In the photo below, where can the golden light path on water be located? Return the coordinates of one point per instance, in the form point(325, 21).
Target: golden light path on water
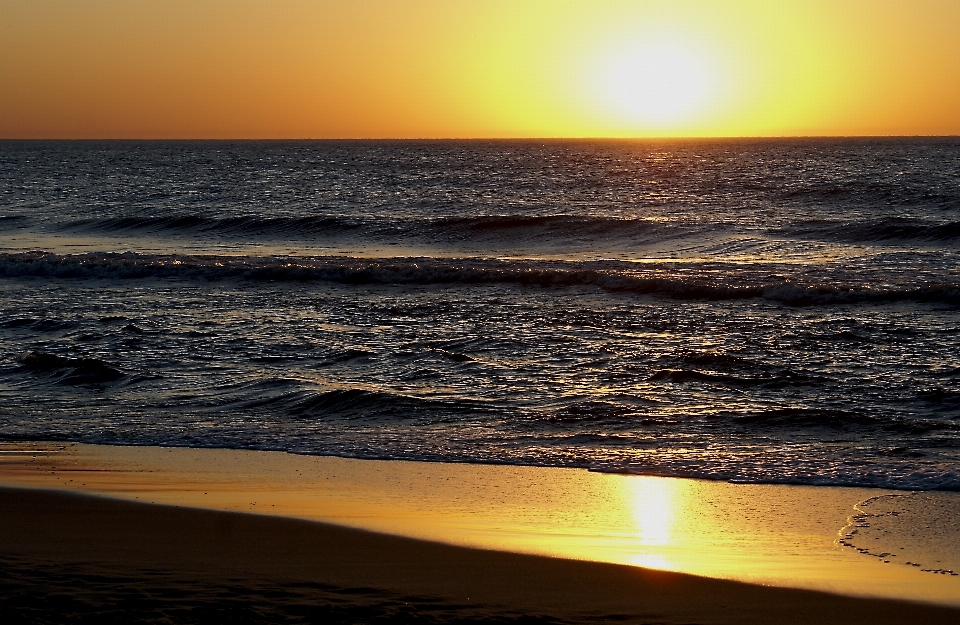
point(769, 534)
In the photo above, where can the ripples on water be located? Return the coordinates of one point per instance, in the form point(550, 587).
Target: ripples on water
point(761, 311)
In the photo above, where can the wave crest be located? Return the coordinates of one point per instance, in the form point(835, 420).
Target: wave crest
point(610, 276)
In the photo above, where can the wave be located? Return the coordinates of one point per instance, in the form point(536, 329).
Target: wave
point(591, 411)
point(867, 231)
point(513, 227)
point(610, 276)
point(752, 422)
point(71, 370)
point(859, 193)
point(809, 418)
point(301, 401)
point(499, 226)
point(39, 324)
point(562, 224)
point(243, 224)
point(780, 380)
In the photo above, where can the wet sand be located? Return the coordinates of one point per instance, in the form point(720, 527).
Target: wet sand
point(78, 557)
point(99, 556)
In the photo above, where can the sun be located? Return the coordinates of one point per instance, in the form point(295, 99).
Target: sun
point(655, 83)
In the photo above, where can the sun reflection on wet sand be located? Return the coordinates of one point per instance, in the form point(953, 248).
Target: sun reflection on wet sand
point(770, 534)
point(653, 504)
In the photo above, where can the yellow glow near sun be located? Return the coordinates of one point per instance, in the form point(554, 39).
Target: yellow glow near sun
point(655, 83)
point(478, 68)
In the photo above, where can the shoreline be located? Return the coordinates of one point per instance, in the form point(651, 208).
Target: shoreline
point(772, 535)
point(203, 561)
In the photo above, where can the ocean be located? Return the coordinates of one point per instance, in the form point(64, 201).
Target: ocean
point(776, 310)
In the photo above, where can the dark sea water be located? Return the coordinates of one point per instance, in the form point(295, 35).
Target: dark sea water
point(769, 310)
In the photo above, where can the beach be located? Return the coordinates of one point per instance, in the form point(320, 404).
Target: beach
point(432, 312)
point(98, 548)
point(489, 381)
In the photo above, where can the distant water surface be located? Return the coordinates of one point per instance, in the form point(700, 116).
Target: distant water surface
point(768, 310)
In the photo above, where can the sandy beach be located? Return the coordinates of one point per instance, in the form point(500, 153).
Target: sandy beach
point(101, 553)
point(479, 311)
point(68, 556)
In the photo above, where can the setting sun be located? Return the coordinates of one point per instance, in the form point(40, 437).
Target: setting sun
point(540, 311)
point(655, 83)
point(426, 68)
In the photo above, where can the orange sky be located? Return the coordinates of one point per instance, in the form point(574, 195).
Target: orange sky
point(477, 68)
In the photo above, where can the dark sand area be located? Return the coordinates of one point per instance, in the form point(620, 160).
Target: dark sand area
point(75, 558)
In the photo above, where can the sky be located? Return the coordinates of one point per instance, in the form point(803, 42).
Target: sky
point(478, 68)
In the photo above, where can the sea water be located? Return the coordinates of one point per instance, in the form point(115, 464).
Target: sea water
point(782, 311)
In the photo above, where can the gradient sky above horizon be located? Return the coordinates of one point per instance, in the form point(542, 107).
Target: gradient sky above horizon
point(478, 68)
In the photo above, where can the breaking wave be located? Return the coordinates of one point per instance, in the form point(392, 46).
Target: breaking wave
point(874, 230)
point(507, 227)
point(610, 276)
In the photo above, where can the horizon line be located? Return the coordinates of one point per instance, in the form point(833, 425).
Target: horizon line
point(504, 138)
